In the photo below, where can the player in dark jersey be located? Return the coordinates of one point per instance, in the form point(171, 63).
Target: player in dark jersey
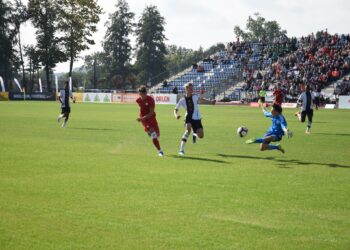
point(307, 100)
point(317, 95)
point(193, 120)
point(63, 98)
point(148, 117)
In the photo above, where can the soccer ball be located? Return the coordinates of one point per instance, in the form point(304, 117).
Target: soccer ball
point(242, 131)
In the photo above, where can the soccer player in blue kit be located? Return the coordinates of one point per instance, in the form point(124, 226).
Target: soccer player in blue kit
point(275, 133)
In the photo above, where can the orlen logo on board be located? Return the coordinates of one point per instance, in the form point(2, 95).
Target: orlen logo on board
point(162, 99)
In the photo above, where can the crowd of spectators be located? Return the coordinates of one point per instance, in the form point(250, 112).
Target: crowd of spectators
point(343, 88)
point(313, 60)
point(316, 60)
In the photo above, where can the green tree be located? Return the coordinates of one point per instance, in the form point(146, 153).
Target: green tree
point(44, 16)
point(151, 50)
point(259, 29)
point(33, 58)
point(180, 58)
point(116, 41)
point(20, 16)
point(96, 69)
point(8, 38)
point(77, 22)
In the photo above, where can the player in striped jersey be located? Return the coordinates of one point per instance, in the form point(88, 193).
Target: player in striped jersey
point(193, 119)
point(63, 98)
point(307, 100)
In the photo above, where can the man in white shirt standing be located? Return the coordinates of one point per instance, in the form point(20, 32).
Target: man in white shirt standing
point(193, 116)
point(307, 99)
point(63, 98)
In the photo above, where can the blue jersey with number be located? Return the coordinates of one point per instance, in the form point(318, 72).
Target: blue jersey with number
point(278, 124)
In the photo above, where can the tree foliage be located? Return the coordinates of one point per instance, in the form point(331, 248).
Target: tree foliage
point(180, 58)
point(44, 16)
point(20, 16)
point(151, 49)
point(258, 29)
point(78, 19)
point(8, 38)
point(116, 43)
point(96, 68)
point(33, 57)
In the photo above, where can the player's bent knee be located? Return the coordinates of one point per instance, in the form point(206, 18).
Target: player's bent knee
point(154, 135)
point(267, 140)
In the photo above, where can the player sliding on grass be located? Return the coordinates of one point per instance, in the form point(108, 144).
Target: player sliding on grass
point(193, 116)
point(65, 107)
point(148, 117)
point(275, 133)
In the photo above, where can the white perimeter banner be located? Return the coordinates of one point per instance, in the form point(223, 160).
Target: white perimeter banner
point(344, 102)
point(131, 98)
point(289, 105)
point(97, 97)
point(164, 98)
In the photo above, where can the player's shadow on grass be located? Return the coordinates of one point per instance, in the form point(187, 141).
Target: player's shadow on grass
point(338, 134)
point(283, 162)
point(197, 159)
point(94, 129)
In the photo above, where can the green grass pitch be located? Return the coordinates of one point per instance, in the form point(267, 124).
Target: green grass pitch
point(99, 183)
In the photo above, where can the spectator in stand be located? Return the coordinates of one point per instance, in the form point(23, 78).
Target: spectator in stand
point(278, 95)
point(345, 87)
point(335, 74)
point(201, 89)
point(175, 90)
point(200, 69)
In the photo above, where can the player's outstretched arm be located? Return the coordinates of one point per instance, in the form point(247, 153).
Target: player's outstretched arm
point(181, 103)
point(286, 130)
point(176, 114)
point(300, 99)
point(264, 110)
point(59, 99)
point(206, 101)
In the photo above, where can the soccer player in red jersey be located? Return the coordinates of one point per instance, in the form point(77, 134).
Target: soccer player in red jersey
point(278, 94)
point(148, 117)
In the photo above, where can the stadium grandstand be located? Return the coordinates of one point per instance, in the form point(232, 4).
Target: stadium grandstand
point(245, 68)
